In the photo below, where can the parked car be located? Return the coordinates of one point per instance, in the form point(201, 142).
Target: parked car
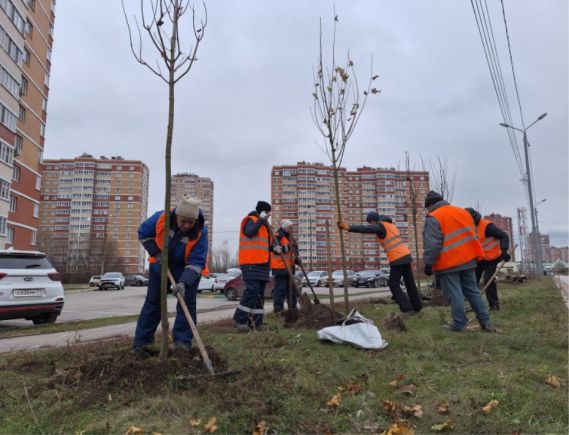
point(136, 280)
point(206, 283)
point(317, 278)
point(220, 280)
point(235, 288)
point(112, 280)
point(94, 281)
point(338, 278)
point(370, 278)
point(384, 273)
point(30, 288)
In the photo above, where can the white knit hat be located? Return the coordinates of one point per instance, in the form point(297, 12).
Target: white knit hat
point(188, 207)
point(286, 223)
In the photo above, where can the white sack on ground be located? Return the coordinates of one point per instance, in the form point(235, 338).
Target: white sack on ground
point(355, 330)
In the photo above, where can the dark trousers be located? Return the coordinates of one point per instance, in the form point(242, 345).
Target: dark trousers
point(149, 317)
point(406, 303)
point(488, 268)
point(281, 293)
point(250, 308)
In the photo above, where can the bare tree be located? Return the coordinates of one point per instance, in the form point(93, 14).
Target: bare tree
point(414, 211)
point(338, 104)
point(440, 178)
point(221, 259)
point(162, 25)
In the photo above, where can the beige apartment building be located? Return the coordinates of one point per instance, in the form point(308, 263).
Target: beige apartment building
point(198, 187)
point(26, 39)
point(304, 193)
point(90, 214)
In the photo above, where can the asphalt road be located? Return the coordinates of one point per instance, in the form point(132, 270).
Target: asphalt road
point(90, 304)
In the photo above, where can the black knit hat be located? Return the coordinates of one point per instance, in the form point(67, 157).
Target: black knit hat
point(475, 215)
point(372, 216)
point(432, 198)
point(385, 218)
point(263, 206)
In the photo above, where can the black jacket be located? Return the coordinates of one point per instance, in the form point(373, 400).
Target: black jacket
point(379, 230)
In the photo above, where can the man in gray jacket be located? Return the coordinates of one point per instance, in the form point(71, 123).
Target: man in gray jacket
point(451, 250)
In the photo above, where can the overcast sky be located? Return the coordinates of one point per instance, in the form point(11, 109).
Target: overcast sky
point(245, 105)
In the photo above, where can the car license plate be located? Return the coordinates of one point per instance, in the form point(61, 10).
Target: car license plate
point(27, 292)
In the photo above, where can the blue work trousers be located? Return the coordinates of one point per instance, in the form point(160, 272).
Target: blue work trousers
point(250, 308)
point(459, 285)
point(149, 317)
point(281, 293)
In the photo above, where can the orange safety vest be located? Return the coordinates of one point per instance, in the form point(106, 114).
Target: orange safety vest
point(392, 243)
point(460, 242)
point(205, 271)
point(159, 238)
point(254, 250)
point(490, 245)
point(277, 260)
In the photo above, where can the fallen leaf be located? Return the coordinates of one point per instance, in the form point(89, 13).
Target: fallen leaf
point(490, 406)
point(398, 428)
point(516, 432)
point(350, 388)
point(553, 381)
point(390, 407)
point(442, 427)
point(195, 421)
point(394, 382)
point(334, 402)
point(133, 430)
point(443, 407)
point(210, 426)
point(156, 433)
point(261, 428)
point(415, 410)
point(408, 389)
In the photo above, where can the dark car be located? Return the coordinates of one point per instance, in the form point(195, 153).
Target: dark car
point(234, 288)
point(135, 280)
point(370, 278)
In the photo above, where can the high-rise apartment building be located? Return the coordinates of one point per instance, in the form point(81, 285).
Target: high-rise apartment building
point(505, 224)
point(559, 254)
point(91, 210)
point(304, 193)
point(198, 187)
point(26, 38)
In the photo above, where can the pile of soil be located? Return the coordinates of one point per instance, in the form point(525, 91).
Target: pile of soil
point(437, 299)
point(394, 322)
point(319, 316)
point(95, 373)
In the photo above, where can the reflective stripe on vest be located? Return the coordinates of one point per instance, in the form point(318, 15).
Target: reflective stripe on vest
point(490, 245)
point(460, 242)
point(159, 239)
point(253, 250)
point(277, 260)
point(392, 243)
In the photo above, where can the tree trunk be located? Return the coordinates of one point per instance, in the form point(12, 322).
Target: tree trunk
point(342, 248)
point(166, 234)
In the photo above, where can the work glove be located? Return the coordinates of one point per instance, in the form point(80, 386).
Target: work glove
point(506, 256)
point(179, 288)
point(343, 226)
point(277, 250)
point(428, 269)
point(298, 260)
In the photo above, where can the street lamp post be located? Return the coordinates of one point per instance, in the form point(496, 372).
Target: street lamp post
point(535, 238)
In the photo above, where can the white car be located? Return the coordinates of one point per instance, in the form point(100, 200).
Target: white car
point(94, 281)
point(112, 279)
point(220, 280)
point(30, 288)
point(206, 283)
point(317, 278)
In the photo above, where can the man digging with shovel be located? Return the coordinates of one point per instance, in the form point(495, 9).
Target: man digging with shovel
point(187, 249)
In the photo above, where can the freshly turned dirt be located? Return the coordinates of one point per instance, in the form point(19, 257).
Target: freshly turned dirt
point(394, 322)
point(437, 300)
point(319, 316)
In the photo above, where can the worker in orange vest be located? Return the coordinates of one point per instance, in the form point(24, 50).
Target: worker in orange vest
point(187, 253)
point(282, 264)
point(255, 245)
point(452, 250)
point(398, 256)
point(495, 244)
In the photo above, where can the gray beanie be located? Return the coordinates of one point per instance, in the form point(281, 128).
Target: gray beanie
point(432, 198)
point(188, 207)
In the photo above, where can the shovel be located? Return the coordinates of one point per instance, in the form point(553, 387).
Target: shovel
point(201, 347)
point(316, 300)
point(487, 284)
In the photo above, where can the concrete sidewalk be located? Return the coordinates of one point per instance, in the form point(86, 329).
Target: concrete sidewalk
point(562, 282)
point(35, 342)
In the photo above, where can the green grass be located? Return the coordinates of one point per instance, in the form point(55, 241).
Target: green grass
point(288, 376)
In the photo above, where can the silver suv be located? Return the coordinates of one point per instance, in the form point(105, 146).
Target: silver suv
point(112, 279)
point(30, 288)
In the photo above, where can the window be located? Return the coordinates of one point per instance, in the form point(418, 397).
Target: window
point(26, 56)
point(49, 55)
point(31, 4)
point(6, 153)
point(18, 145)
point(42, 130)
point(34, 237)
point(4, 190)
point(8, 118)
point(24, 87)
point(36, 210)
point(9, 82)
point(13, 203)
point(28, 29)
point(44, 105)
point(46, 80)
point(9, 235)
point(3, 226)
point(16, 173)
point(38, 183)
point(22, 114)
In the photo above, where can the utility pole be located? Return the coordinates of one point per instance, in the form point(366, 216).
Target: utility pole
point(528, 179)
